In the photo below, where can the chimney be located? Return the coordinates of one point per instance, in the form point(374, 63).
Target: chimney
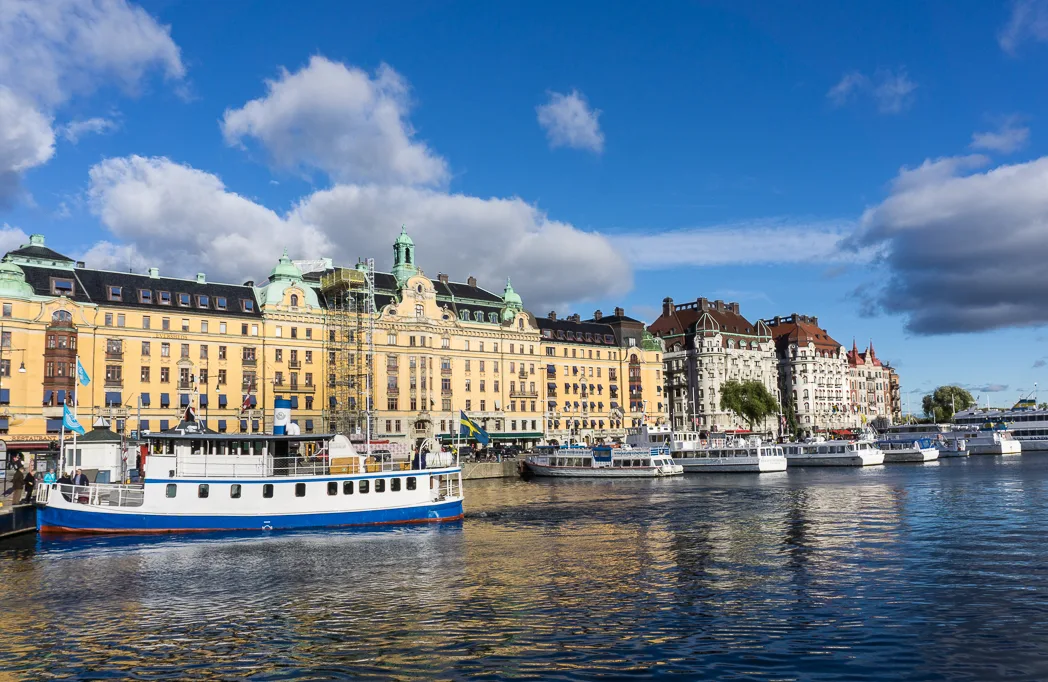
point(619, 312)
point(442, 277)
point(553, 314)
point(667, 306)
point(734, 307)
point(718, 304)
point(472, 281)
point(201, 279)
point(154, 272)
point(815, 320)
point(597, 315)
point(704, 304)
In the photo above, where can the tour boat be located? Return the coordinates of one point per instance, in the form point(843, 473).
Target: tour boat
point(993, 440)
point(1028, 424)
point(907, 450)
point(944, 437)
point(732, 456)
point(602, 461)
point(196, 480)
point(823, 453)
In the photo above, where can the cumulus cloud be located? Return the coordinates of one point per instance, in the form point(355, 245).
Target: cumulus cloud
point(965, 250)
point(12, 237)
point(26, 141)
point(185, 219)
point(570, 122)
point(891, 91)
point(1028, 21)
point(74, 130)
point(1008, 138)
point(341, 120)
point(751, 243)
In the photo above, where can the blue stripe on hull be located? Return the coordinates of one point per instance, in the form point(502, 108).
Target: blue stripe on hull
point(87, 521)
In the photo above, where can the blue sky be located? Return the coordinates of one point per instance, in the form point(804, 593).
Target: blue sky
point(877, 165)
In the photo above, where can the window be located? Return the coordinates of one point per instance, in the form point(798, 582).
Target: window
point(278, 355)
point(185, 324)
point(380, 485)
point(309, 356)
point(294, 332)
point(145, 375)
point(332, 487)
point(267, 490)
point(364, 486)
point(109, 319)
point(247, 305)
point(164, 297)
point(172, 489)
point(165, 375)
point(145, 296)
point(347, 487)
point(7, 310)
point(220, 302)
point(203, 490)
point(394, 485)
point(411, 482)
point(203, 301)
point(184, 300)
point(115, 293)
point(234, 491)
point(203, 326)
point(61, 286)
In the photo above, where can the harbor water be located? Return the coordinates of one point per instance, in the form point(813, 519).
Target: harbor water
point(934, 571)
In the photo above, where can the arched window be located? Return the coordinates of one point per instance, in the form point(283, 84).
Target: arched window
point(294, 299)
point(493, 318)
point(62, 316)
point(464, 315)
point(478, 316)
point(407, 255)
point(805, 394)
point(520, 324)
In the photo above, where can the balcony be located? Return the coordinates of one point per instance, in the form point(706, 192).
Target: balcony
point(445, 371)
point(114, 382)
point(249, 362)
point(299, 388)
point(393, 368)
point(392, 390)
point(117, 355)
point(445, 391)
point(294, 364)
point(523, 393)
point(185, 385)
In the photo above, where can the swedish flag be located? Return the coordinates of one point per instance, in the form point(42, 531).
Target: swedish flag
point(469, 429)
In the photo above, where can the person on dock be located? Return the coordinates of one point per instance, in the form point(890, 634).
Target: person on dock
point(49, 477)
point(29, 485)
point(17, 483)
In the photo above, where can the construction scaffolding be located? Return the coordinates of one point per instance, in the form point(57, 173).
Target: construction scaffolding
point(350, 348)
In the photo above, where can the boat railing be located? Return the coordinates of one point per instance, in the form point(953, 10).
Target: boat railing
point(288, 467)
point(95, 494)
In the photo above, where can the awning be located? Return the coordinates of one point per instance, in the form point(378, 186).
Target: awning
point(254, 401)
point(112, 398)
point(221, 424)
point(47, 397)
point(203, 400)
point(165, 400)
point(184, 399)
point(277, 396)
point(54, 425)
point(163, 424)
point(243, 426)
point(294, 401)
point(222, 402)
point(5, 396)
point(551, 386)
point(143, 425)
point(254, 425)
point(145, 400)
point(3, 423)
point(523, 435)
point(61, 397)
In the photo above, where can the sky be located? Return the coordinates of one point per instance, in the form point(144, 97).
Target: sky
point(882, 166)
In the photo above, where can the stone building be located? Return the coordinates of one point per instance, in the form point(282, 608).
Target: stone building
point(870, 380)
point(707, 344)
point(813, 374)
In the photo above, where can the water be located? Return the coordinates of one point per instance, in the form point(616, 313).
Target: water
point(911, 572)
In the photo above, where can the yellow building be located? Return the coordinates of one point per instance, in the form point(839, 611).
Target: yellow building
point(155, 345)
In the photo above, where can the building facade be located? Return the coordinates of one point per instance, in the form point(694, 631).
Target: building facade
point(813, 375)
point(707, 344)
point(871, 392)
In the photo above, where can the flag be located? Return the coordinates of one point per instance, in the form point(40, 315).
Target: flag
point(247, 403)
point(469, 429)
point(69, 421)
point(189, 415)
point(81, 373)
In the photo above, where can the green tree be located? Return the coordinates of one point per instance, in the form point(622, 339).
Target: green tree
point(793, 425)
point(944, 401)
point(750, 400)
point(1042, 406)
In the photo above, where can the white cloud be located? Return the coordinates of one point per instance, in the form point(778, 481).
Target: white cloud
point(891, 91)
point(26, 141)
point(11, 238)
point(749, 243)
point(1009, 137)
point(570, 122)
point(341, 120)
point(1028, 21)
point(74, 130)
point(965, 251)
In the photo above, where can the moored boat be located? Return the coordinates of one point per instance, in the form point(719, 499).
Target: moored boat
point(823, 453)
point(198, 481)
point(906, 450)
point(602, 461)
point(737, 455)
point(993, 440)
point(943, 437)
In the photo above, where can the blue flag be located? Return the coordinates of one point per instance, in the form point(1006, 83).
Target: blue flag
point(69, 421)
point(81, 373)
point(469, 429)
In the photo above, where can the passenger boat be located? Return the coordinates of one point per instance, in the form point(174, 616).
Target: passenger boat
point(721, 455)
point(1027, 423)
point(602, 461)
point(992, 440)
point(943, 437)
point(907, 450)
point(835, 453)
point(197, 481)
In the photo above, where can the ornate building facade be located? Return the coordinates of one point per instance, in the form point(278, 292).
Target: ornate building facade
point(874, 392)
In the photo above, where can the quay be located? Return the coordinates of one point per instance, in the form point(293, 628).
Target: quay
point(17, 520)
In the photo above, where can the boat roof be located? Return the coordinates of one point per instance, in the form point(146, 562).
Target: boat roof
point(196, 435)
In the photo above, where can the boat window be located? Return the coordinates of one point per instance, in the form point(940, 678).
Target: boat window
point(234, 491)
point(394, 485)
point(347, 487)
point(411, 482)
point(300, 490)
point(380, 485)
point(203, 490)
point(332, 487)
point(364, 486)
point(267, 490)
point(172, 489)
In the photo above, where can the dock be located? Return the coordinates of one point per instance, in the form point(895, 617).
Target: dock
point(17, 520)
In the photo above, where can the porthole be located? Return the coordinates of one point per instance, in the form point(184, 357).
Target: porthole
point(267, 490)
point(394, 485)
point(380, 485)
point(411, 482)
point(332, 487)
point(203, 490)
point(172, 489)
point(234, 491)
point(300, 490)
point(347, 487)
point(364, 486)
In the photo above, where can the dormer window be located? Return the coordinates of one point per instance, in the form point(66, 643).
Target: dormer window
point(493, 318)
point(145, 296)
point(294, 299)
point(464, 315)
point(560, 335)
point(247, 305)
point(203, 301)
point(589, 337)
point(608, 338)
point(115, 293)
point(478, 316)
point(571, 336)
point(61, 286)
point(184, 300)
point(164, 297)
point(547, 334)
point(220, 302)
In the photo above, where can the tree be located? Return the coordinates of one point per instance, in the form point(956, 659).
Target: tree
point(944, 401)
point(793, 425)
point(749, 400)
point(1042, 406)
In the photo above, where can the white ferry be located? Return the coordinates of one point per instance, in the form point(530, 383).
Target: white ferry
point(992, 440)
point(1028, 425)
point(908, 450)
point(197, 481)
point(836, 453)
point(944, 437)
point(602, 461)
point(751, 455)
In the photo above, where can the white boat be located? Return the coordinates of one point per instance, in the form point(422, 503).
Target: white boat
point(992, 440)
point(733, 456)
point(943, 437)
point(906, 450)
point(601, 461)
point(1028, 425)
point(197, 481)
point(823, 453)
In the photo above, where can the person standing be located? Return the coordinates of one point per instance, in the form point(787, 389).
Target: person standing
point(64, 480)
point(49, 477)
point(17, 483)
point(29, 484)
point(81, 478)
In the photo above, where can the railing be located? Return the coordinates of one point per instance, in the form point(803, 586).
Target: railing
point(523, 393)
point(294, 364)
point(96, 495)
point(114, 355)
point(249, 362)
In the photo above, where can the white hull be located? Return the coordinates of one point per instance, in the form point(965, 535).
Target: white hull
point(1034, 444)
point(711, 465)
point(602, 472)
point(828, 460)
point(943, 454)
point(910, 455)
point(1008, 447)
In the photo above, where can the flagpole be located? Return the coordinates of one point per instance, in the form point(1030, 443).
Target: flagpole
point(76, 385)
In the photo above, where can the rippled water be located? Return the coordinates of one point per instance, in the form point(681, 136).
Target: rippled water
point(921, 572)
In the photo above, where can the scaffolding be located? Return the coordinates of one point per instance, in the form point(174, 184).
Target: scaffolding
point(350, 347)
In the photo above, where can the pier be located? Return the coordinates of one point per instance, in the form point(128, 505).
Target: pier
point(17, 520)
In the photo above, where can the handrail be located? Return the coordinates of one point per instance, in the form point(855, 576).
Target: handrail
point(97, 494)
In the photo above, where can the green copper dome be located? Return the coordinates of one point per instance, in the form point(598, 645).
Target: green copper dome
point(510, 297)
point(285, 269)
point(12, 280)
point(403, 239)
point(404, 257)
